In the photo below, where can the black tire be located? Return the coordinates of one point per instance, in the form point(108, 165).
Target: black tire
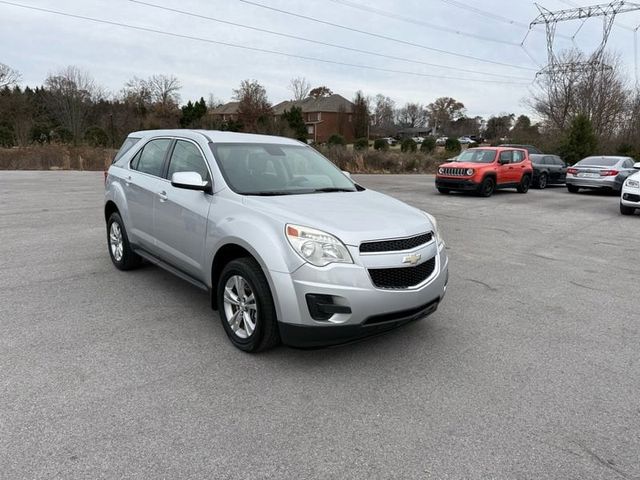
point(444, 191)
point(127, 259)
point(487, 187)
point(573, 188)
point(524, 185)
point(542, 181)
point(624, 210)
point(265, 334)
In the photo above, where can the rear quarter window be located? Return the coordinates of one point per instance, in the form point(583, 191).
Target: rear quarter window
point(126, 146)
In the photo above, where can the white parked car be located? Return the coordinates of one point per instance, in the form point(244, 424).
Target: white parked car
point(630, 196)
point(418, 139)
point(441, 141)
point(465, 140)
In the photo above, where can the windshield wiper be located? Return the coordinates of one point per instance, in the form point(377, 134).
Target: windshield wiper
point(332, 189)
point(276, 193)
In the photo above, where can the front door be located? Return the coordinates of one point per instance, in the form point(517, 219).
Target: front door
point(505, 167)
point(181, 215)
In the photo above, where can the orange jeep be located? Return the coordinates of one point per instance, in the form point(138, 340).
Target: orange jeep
point(483, 170)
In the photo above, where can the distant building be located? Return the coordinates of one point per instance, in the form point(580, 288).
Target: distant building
point(226, 112)
point(414, 132)
point(324, 116)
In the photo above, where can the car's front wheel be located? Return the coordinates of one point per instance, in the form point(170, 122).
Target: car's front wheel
point(120, 251)
point(624, 210)
point(444, 191)
point(246, 306)
point(487, 187)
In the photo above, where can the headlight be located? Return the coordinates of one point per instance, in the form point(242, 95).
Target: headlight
point(441, 170)
point(633, 184)
point(470, 171)
point(317, 247)
point(436, 231)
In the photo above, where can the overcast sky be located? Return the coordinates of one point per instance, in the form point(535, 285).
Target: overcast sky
point(38, 43)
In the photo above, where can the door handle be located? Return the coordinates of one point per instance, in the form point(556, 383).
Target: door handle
point(163, 196)
point(127, 181)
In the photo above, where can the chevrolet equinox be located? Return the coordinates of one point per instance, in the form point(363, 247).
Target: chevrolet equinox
point(289, 247)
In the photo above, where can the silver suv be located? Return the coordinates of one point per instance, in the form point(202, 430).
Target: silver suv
point(289, 246)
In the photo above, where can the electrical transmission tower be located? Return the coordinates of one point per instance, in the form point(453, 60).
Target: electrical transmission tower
point(551, 19)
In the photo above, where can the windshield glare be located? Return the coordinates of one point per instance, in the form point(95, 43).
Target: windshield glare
point(598, 161)
point(270, 169)
point(477, 156)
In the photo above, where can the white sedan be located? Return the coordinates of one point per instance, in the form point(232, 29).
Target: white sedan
point(630, 196)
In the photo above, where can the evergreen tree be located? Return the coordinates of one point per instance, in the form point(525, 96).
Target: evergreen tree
point(295, 120)
point(581, 140)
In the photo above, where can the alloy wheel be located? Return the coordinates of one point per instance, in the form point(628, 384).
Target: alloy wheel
point(116, 243)
point(240, 307)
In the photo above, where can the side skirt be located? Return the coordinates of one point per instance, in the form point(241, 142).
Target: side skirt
point(171, 269)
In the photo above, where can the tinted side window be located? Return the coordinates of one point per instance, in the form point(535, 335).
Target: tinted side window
point(518, 156)
point(506, 156)
point(627, 164)
point(151, 159)
point(558, 161)
point(186, 157)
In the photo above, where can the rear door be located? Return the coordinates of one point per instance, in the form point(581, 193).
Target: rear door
point(519, 166)
point(181, 215)
point(562, 169)
point(505, 168)
point(142, 184)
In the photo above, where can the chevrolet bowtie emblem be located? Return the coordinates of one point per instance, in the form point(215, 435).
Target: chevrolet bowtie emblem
point(412, 259)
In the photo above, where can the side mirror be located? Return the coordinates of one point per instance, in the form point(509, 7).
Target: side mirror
point(190, 181)
point(347, 174)
point(637, 166)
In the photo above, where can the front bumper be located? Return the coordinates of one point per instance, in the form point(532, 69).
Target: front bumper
point(456, 184)
point(630, 197)
point(372, 310)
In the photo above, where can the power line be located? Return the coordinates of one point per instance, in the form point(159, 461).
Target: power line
point(388, 14)
point(326, 44)
point(491, 15)
point(384, 37)
point(255, 49)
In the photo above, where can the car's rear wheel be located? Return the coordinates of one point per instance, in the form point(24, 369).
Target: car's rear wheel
point(487, 187)
point(246, 306)
point(573, 188)
point(120, 251)
point(542, 181)
point(444, 191)
point(525, 183)
point(624, 210)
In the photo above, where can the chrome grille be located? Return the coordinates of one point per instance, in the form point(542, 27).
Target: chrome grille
point(454, 172)
point(396, 245)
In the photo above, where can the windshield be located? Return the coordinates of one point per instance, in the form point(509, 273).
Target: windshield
point(599, 161)
point(477, 156)
point(269, 169)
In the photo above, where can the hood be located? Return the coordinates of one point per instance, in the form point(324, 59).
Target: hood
point(635, 176)
point(463, 165)
point(353, 217)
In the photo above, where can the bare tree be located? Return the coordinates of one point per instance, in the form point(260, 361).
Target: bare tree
point(600, 94)
point(443, 111)
point(164, 90)
point(412, 115)
point(383, 112)
point(70, 93)
point(254, 108)
point(300, 88)
point(8, 76)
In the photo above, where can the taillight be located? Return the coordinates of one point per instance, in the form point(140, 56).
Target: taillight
point(572, 171)
point(609, 173)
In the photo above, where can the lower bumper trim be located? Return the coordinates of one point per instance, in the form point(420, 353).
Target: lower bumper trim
point(305, 336)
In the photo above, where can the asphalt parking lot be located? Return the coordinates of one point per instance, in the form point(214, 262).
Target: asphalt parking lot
point(529, 370)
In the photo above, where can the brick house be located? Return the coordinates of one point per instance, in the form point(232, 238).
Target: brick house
point(226, 112)
point(323, 116)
